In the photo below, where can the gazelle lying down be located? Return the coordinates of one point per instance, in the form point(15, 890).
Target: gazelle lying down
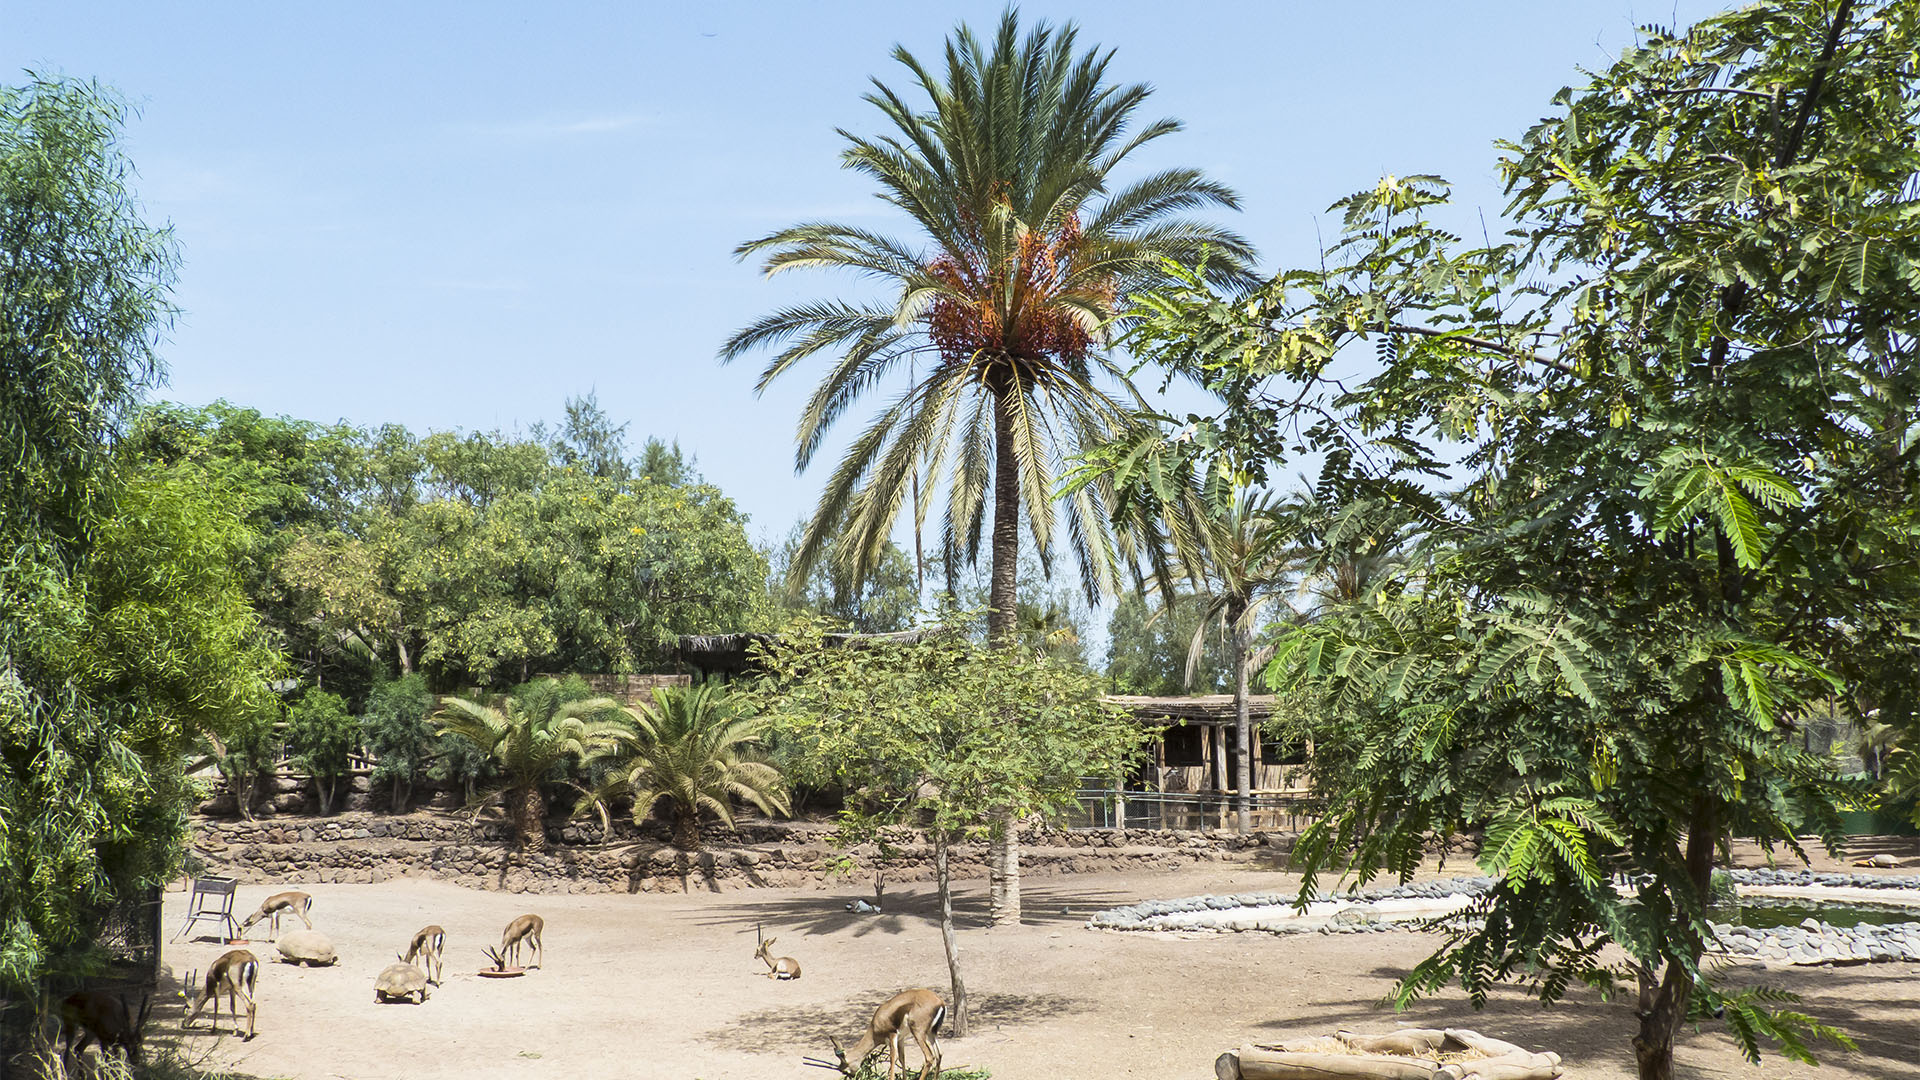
point(778, 967)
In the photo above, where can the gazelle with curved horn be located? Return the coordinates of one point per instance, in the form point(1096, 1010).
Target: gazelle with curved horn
point(428, 944)
point(287, 903)
point(918, 1013)
point(778, 967)
point(233, 974)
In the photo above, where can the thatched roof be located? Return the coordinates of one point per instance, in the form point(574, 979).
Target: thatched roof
point(732, 653)
point(1203, 709)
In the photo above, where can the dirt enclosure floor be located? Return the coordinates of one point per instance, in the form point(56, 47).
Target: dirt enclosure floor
point(666, 986)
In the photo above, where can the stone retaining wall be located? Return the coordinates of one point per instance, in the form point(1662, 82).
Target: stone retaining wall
point(371, 848)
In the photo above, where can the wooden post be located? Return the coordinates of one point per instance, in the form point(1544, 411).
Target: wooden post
point(1119, 804)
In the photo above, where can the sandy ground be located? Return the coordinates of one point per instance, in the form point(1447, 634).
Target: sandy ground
point(666, 986)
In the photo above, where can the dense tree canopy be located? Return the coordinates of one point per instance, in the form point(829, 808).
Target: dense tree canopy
point(471, 557)
point(124, 631)
point(1660, 452)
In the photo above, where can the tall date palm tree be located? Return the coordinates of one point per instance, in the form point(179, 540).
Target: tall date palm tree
point(998, 310)
point(999, 305)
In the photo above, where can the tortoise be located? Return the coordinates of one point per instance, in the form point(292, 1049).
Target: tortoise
point(400, 982)
point(309, 947)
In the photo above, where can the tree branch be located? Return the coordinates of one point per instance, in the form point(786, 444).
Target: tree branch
point(1483, 343)
point(1715, 90)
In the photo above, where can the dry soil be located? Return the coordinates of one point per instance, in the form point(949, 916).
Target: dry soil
point(666, 986)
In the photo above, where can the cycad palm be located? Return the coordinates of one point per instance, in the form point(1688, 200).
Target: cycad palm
point(1000, 305)
point(692, 749)
point(529, 737)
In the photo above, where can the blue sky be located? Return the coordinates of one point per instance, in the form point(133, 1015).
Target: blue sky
point(455, 215)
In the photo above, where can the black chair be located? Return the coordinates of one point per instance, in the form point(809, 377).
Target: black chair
point(211, 901)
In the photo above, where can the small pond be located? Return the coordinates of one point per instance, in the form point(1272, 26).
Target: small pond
point(1767, 914)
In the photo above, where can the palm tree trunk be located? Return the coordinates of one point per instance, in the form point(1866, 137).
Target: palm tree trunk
point(686, 829)
point(530, 817)
point(1002, 587)
point(1242, 720)
point(945, 880)
point(1003, 861)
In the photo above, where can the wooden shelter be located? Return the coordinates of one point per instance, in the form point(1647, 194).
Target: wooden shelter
point(1198, 751)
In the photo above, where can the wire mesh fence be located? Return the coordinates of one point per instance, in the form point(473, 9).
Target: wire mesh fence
point(128, 938)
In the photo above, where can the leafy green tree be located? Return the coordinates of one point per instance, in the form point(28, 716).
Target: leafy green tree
point(397, 733)
point(1149, 647)
point(664, 463)
point(123, 631)
point(693, 749)
point(321, 736)
point(589, 441)
point(1663, 496)
point(885, 600)
point(530, 735)
point(943, 734)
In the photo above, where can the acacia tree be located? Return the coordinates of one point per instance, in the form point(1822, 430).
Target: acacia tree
point(942, 734)
point(1662, 492)
point(998, 311)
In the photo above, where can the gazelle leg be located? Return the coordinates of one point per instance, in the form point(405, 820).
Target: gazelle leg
point(929, 1052)
point(302, 912)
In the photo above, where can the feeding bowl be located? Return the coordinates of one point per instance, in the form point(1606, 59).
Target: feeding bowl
point(502, 973)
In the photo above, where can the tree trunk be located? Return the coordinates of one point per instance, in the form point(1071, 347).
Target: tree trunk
point(1242, 720)
point(1003, 872)
point(323, 794)
point(1002, 589)
point(1003, 862)
point(530, 817)
point(400, 646)
point(945, 880)
point(243, 794)
point(401, 790)
point(686, 829)
point(1664, 1006)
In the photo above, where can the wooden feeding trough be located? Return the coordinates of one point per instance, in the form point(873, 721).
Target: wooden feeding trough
point(1407, 1054)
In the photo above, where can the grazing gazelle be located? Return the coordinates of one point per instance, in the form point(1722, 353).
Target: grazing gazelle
point(95, 1015)
point(233, 974)
point(527, 928)
point(427, 945)
point(778, 967)
point(291, 903)
point(918, 1013)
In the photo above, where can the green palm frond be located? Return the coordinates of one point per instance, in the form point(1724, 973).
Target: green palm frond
point(689, 747)
point(1027, 247)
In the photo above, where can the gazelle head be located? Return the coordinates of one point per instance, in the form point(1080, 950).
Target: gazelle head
point(765, 950)
point(493, 954)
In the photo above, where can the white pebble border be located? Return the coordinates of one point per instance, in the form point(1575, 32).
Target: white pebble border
point(1395, 908)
